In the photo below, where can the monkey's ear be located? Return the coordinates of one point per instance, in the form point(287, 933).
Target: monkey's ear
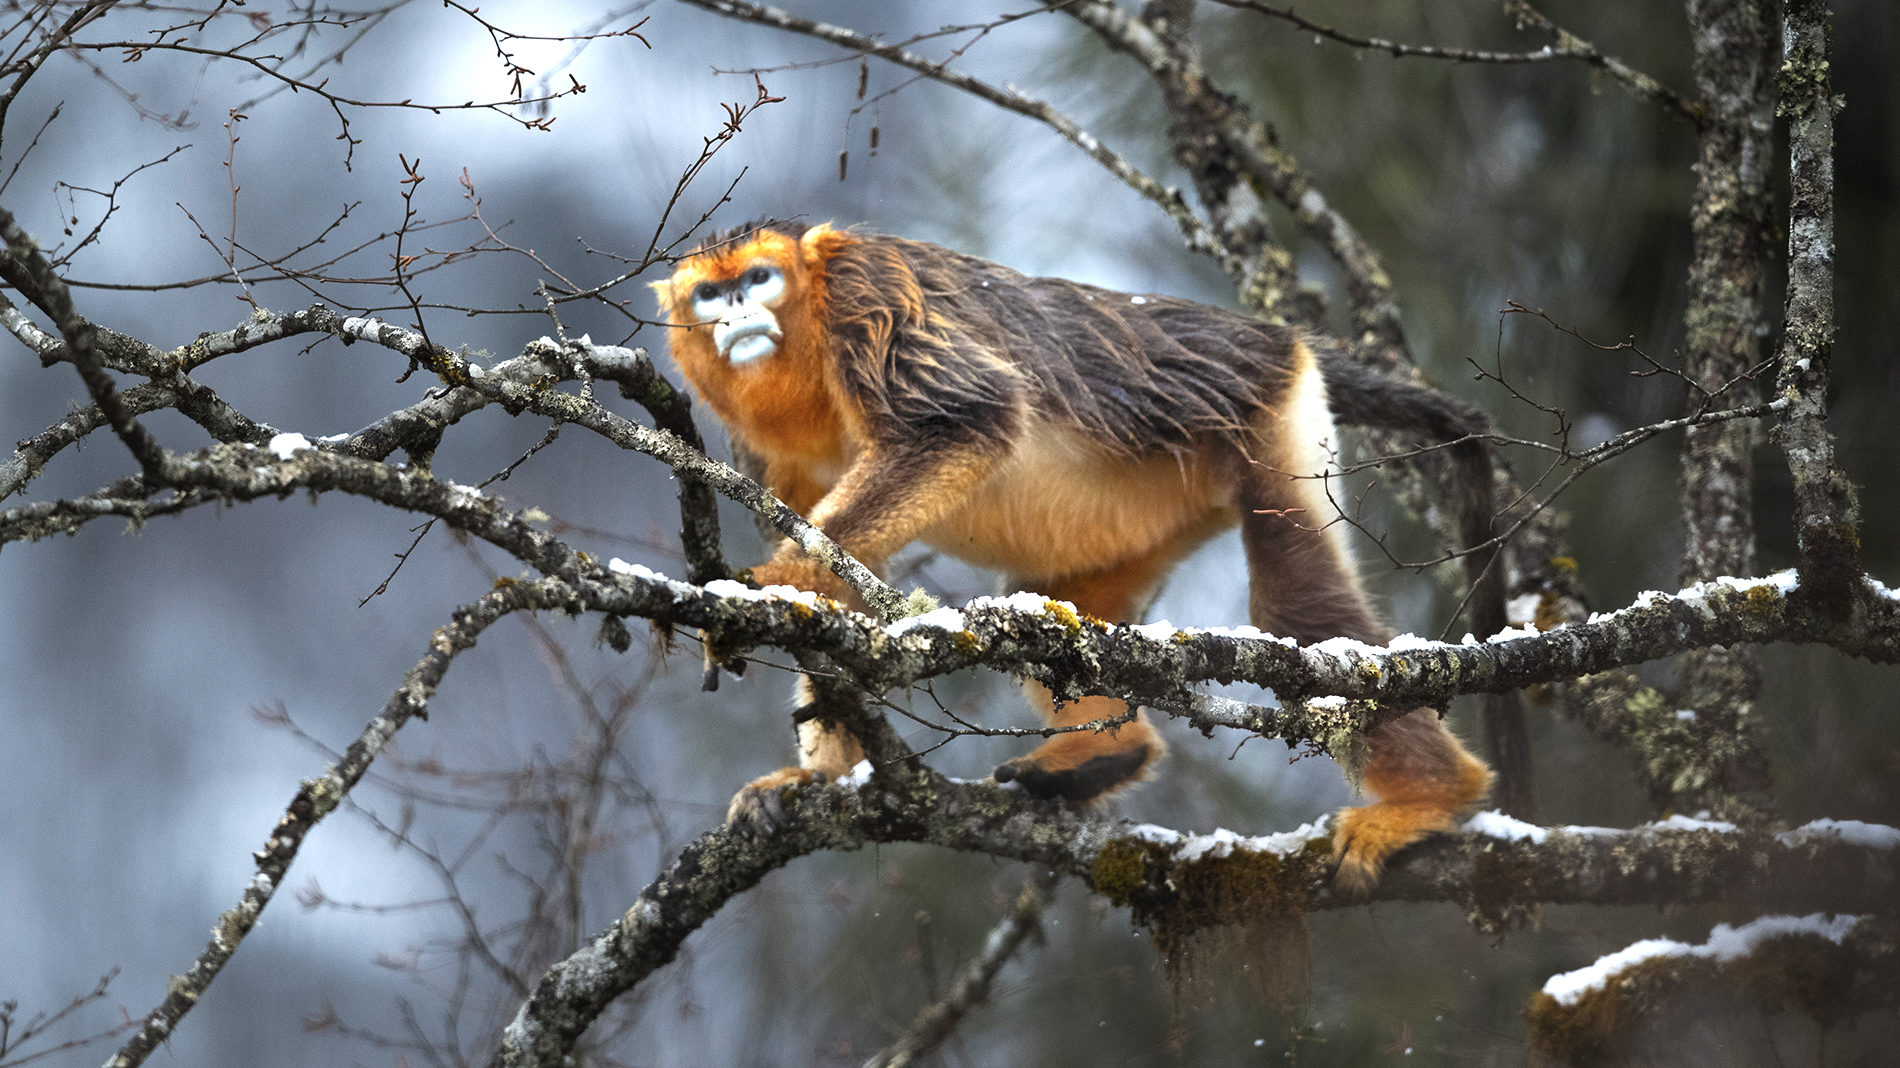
point(820, 243)
point(664, 289)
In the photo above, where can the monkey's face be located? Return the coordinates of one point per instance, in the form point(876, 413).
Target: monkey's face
point(737, 294)
point(740, 310)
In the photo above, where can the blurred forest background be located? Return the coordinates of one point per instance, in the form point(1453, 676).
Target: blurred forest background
point(163, 691)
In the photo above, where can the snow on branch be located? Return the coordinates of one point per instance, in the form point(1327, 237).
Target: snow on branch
point(1828, 966)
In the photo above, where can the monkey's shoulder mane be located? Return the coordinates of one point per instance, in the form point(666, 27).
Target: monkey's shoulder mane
point(925, 332)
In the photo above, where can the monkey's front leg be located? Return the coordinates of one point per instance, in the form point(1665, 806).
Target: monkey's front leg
point(826, 751)
point(885, 499)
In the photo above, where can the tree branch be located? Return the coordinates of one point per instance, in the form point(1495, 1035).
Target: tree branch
point(27, 271)
point(1196, 234)
point(1232, 155)
point(1723, 326)
point(1497, 869)
point(1829, 968)
point(1827, 515)
point(1568, 47)
point(972, 985)
point(318, 797)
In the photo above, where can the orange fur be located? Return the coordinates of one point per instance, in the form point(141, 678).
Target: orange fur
point(1423, 780)
point(825, 751)
point(787, 406)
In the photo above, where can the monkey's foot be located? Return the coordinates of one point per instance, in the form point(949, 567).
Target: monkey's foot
point(758, 809)
point(1365, 837)
point(1079, 777)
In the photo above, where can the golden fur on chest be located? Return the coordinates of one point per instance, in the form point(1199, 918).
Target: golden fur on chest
point(1062, 504)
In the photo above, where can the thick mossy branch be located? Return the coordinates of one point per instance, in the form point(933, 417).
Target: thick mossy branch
point(1023, 636)
point(1084, 658)
point(1193, 882)
point(1808, 965)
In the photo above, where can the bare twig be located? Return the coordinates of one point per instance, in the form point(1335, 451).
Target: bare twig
point(971, 987)
point(1569, 47)
point(1196, 233)
point(318, 797)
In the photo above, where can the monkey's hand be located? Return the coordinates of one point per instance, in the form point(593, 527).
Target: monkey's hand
point(758, 809)
point(791, 567)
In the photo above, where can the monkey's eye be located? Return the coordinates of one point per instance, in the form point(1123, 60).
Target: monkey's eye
point(763, 284)
point(705, 291)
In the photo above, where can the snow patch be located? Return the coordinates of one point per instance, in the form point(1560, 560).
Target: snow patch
point(1495, 824)
point(1021, 601)
point(1725, 943)
point(1339, 647)
point(283, 446)
point(1567, 987)
point(789, 593)
point(1696, 596)
point(1847, 832)
point(735, 588)
point(1590, 832)
point(639, 571)
point(1149, 832)
point(731, 588)
point(1690, 823)
point(1252, 633)
point(1221, 842)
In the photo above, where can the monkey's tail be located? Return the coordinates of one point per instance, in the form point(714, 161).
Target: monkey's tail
point(1363, 397)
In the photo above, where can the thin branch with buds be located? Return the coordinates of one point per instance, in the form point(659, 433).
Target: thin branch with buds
point(1569, 48)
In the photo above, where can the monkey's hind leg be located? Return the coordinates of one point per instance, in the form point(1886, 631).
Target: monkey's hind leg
point(1080, 766)
point(1085, 765)
point(826, 751)
point(1421, 779)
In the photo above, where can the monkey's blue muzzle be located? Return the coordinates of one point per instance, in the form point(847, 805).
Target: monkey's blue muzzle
point(748, 337)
